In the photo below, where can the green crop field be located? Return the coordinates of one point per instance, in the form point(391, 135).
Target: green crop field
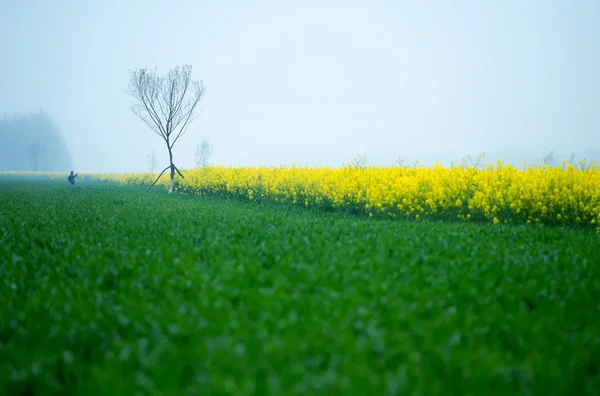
point(105, 289)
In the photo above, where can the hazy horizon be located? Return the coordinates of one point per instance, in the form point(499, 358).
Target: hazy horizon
point(312, 82)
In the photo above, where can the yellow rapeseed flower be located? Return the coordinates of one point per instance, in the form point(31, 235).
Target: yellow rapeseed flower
point(498, 194)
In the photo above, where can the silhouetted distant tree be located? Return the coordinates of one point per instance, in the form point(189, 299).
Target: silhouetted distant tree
point(549, 159)
point(203, 153)
point(167, 104)
point(35, 151)
point(152, 161)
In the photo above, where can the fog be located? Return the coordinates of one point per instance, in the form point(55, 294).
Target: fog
point(312, 82)
point(33, 143)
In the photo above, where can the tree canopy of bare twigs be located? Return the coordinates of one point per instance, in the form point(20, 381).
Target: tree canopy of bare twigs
point(203, 153)
point(167, 105)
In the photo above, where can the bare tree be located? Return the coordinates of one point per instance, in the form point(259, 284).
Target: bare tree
point(152, 161)
point(203, 153)
point(35, 151)
point(549, 159)
point(167, 105)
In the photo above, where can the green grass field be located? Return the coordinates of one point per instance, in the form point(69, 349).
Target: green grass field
point(109, 290)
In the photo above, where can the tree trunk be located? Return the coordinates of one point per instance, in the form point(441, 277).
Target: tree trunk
point(172, 183)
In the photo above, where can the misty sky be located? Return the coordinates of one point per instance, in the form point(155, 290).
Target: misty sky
point(311, 81)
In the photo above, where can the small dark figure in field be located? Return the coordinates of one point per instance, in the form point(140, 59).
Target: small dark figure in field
point(72, 178)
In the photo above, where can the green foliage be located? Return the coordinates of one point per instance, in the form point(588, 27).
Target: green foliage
point(108, 290)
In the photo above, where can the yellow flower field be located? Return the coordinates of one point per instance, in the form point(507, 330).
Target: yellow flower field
point(499, 193)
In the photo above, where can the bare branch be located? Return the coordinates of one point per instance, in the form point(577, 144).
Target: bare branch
point(199, 90)
point(150, 123)
point(145, 87)
point(151, 185)
point(166, 104)
point(177, 169)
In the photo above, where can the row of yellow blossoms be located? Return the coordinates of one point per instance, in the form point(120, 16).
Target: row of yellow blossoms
point(497, 193)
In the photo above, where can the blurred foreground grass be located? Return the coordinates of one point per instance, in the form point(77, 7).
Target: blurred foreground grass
point(108, 290)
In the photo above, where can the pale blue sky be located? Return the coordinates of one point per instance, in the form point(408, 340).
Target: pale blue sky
point(312, 81)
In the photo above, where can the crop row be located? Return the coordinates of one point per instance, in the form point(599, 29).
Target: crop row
point(499, 193)
point(496, 194)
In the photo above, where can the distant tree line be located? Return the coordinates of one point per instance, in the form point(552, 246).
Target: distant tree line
point(32, 143)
